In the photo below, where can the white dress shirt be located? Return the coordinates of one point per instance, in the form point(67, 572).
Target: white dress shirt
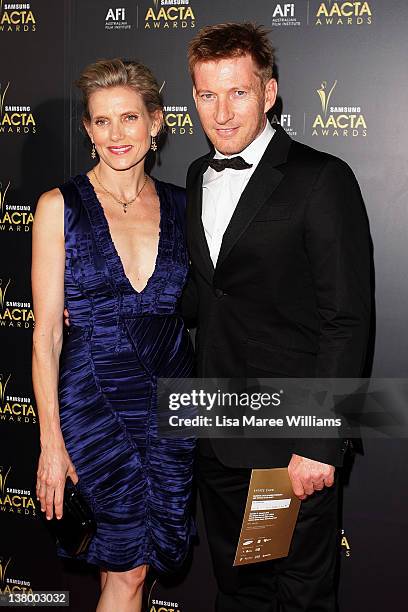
point(222, 190)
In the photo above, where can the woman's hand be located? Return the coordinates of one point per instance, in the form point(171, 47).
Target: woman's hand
point(54, 465)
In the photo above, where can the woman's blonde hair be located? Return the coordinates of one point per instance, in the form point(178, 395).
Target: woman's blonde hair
point(116, 72)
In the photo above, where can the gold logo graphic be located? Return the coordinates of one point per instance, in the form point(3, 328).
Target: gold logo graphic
point(13, 584)
point(15, 500)
point(325, 96)
point(14, 313)
point(15, 119)
point(3, 194)
point(3, 386)
point(2, 97)
point(3, 290)
point(170, 14)
point(3, 479)
point(15, 408)
point(345, 121)
point(343, 13)
point(4, 563)
point(14, 217)
point(16, 18)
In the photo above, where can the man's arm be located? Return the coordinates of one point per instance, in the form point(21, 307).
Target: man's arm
point(338, 246)
point(189, 298)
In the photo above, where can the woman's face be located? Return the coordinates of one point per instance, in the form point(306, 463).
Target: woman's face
point(121, 126)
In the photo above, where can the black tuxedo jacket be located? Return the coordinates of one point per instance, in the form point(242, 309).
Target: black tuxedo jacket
point(290, 294)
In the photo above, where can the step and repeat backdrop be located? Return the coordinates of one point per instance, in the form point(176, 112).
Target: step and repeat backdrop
point(343, 89)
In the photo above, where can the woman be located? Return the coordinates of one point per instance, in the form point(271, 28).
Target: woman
point(109, 246)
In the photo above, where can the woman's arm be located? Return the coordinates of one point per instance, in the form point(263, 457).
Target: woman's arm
point(47, 277)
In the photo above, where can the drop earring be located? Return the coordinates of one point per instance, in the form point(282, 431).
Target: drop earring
point(153, 146)
point(93, 151)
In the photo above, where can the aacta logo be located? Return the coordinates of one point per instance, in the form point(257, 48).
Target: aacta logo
point(345, 544)
point(343, 13)
point(9, 584)
point(16, 501)
point(178, 120)
point(14, 408)
point(13, 217)
point(14, 313)
point(168, 14)
point(16, 17)
point(14, 119)
point(337, 120)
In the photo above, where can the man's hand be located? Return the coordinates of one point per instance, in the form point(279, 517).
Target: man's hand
point(308, 476)
point(66, 317)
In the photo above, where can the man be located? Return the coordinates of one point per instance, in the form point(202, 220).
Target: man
point(279, 248)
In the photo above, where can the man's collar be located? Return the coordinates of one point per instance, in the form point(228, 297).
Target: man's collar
point(275, 154)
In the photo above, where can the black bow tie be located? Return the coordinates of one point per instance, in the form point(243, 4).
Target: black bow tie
point(236, 163)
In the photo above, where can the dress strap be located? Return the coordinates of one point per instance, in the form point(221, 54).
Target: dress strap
point(100, 229)
point(75, 216)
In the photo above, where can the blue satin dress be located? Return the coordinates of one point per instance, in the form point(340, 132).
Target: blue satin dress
point(120, 341)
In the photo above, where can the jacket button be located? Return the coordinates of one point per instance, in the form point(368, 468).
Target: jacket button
point(218, 292)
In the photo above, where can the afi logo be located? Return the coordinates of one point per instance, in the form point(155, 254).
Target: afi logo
point(285, 120)
point(284, 10)
point(115, 14)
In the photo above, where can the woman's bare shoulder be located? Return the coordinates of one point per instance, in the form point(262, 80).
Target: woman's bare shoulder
point(53, 198)
point(50, 207)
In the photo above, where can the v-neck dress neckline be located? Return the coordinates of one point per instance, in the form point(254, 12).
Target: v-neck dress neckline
point(113, 258)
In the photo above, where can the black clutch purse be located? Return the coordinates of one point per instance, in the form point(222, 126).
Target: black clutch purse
point(77, 526)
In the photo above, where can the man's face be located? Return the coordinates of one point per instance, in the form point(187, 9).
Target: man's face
point(231, 102)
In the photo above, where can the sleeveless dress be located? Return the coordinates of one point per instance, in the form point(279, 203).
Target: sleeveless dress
point(119, 342)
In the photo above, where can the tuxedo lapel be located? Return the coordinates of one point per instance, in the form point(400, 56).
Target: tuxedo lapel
point(197, 240)
point(261, 185)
